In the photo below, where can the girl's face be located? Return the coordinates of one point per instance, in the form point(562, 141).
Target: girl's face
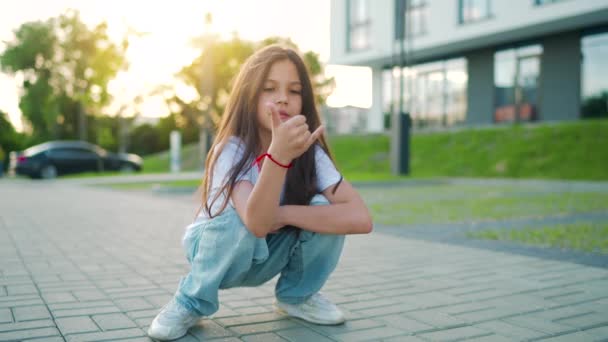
point(283, 88)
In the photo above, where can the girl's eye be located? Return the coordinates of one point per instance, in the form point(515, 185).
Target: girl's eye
point(268, 89)
point(296, 92)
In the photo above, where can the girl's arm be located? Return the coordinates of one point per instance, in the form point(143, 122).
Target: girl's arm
point(346, 213)
point(258, 205)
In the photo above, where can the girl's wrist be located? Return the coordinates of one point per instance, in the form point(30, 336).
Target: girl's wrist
point(279, 156)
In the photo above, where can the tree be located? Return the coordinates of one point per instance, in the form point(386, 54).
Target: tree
point(226, 58)
point(66, 67)
point(595, 106)
point(10, 140)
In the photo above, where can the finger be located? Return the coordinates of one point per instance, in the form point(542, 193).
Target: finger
point(301, 129)
point(296, 120)
point(274, 114)
point(315, 135)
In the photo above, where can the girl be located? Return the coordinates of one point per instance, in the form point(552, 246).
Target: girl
point(273, 201)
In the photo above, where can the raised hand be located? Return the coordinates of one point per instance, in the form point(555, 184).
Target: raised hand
point(290, 138)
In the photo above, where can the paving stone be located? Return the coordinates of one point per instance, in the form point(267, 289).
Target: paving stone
point(71, 325)
point(27, 334)
point(509, 330)
point(89, 295)
point(26, 325)
point(249, 319)
point(133, 304)
point(14, 290)
point(598, 332)
point(389, 287)
point(383, 310)
point(348, 326)
point(540, 324)
point(368, 304)
point(303, 335)
point(489, 338)
point(85, 311)
point(48, 339)
point(404, 323)
point(6, 316)
point(21, 300)
point(455, 334)
point(57, 297)
point(143, 313)
point(208, 329)
point(370, 334)
point(263, 327)
point(266, 337)
point(579, 336)
point(30, 313)
point(436, 318)
point(113, 321)
point(584, 321)
point(106, 335)
point(253, 310)
point(80, 305)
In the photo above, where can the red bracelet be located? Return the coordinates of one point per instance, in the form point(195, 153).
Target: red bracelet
point(259, 159)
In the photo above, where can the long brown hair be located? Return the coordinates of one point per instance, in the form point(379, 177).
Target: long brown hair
point(240, 120)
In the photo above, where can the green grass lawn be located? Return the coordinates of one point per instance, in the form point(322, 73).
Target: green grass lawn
point(583, 236)
point(459, 203)
point(186, 184)
point(436, 201)
point(568, 150)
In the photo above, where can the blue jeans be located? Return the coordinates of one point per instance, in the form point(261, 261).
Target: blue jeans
point(223, 253)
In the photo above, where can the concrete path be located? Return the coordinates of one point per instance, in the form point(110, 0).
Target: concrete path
point(88, 264)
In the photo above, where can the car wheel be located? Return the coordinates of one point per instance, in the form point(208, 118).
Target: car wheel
point(127, 168)
point(48, 172)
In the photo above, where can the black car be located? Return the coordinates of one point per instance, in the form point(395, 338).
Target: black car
point(54, 158)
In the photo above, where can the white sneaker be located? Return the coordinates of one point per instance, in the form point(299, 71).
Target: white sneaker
point(172, 322)
point(316, 309)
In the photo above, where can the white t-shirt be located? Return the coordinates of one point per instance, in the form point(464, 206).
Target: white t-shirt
point(231, 153)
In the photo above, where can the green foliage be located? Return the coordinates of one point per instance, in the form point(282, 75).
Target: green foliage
point(10, 140)
point(224, 59)
point(144, 139)
point(595, 106)
point(65, 65)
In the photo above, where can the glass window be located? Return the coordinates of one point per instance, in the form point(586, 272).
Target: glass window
point(412, 21)
point(594, 75)
point(434, 93)
point(474, 10)
point(516, 77)
point(359, 25)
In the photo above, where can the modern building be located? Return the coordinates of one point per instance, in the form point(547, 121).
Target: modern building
point(475, 62)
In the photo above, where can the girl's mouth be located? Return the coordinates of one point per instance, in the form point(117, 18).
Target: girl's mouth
point(284, 115)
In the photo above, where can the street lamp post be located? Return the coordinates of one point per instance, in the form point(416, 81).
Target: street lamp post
point(207, 86)
point(401, 126)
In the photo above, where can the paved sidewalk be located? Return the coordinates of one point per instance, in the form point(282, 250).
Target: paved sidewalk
point(84, 264)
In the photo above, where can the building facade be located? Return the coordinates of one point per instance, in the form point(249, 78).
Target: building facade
point(475, 62)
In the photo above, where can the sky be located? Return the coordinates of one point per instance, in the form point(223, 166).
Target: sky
point(170, 25)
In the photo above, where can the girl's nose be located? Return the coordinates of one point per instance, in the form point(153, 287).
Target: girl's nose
point(281, 98)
